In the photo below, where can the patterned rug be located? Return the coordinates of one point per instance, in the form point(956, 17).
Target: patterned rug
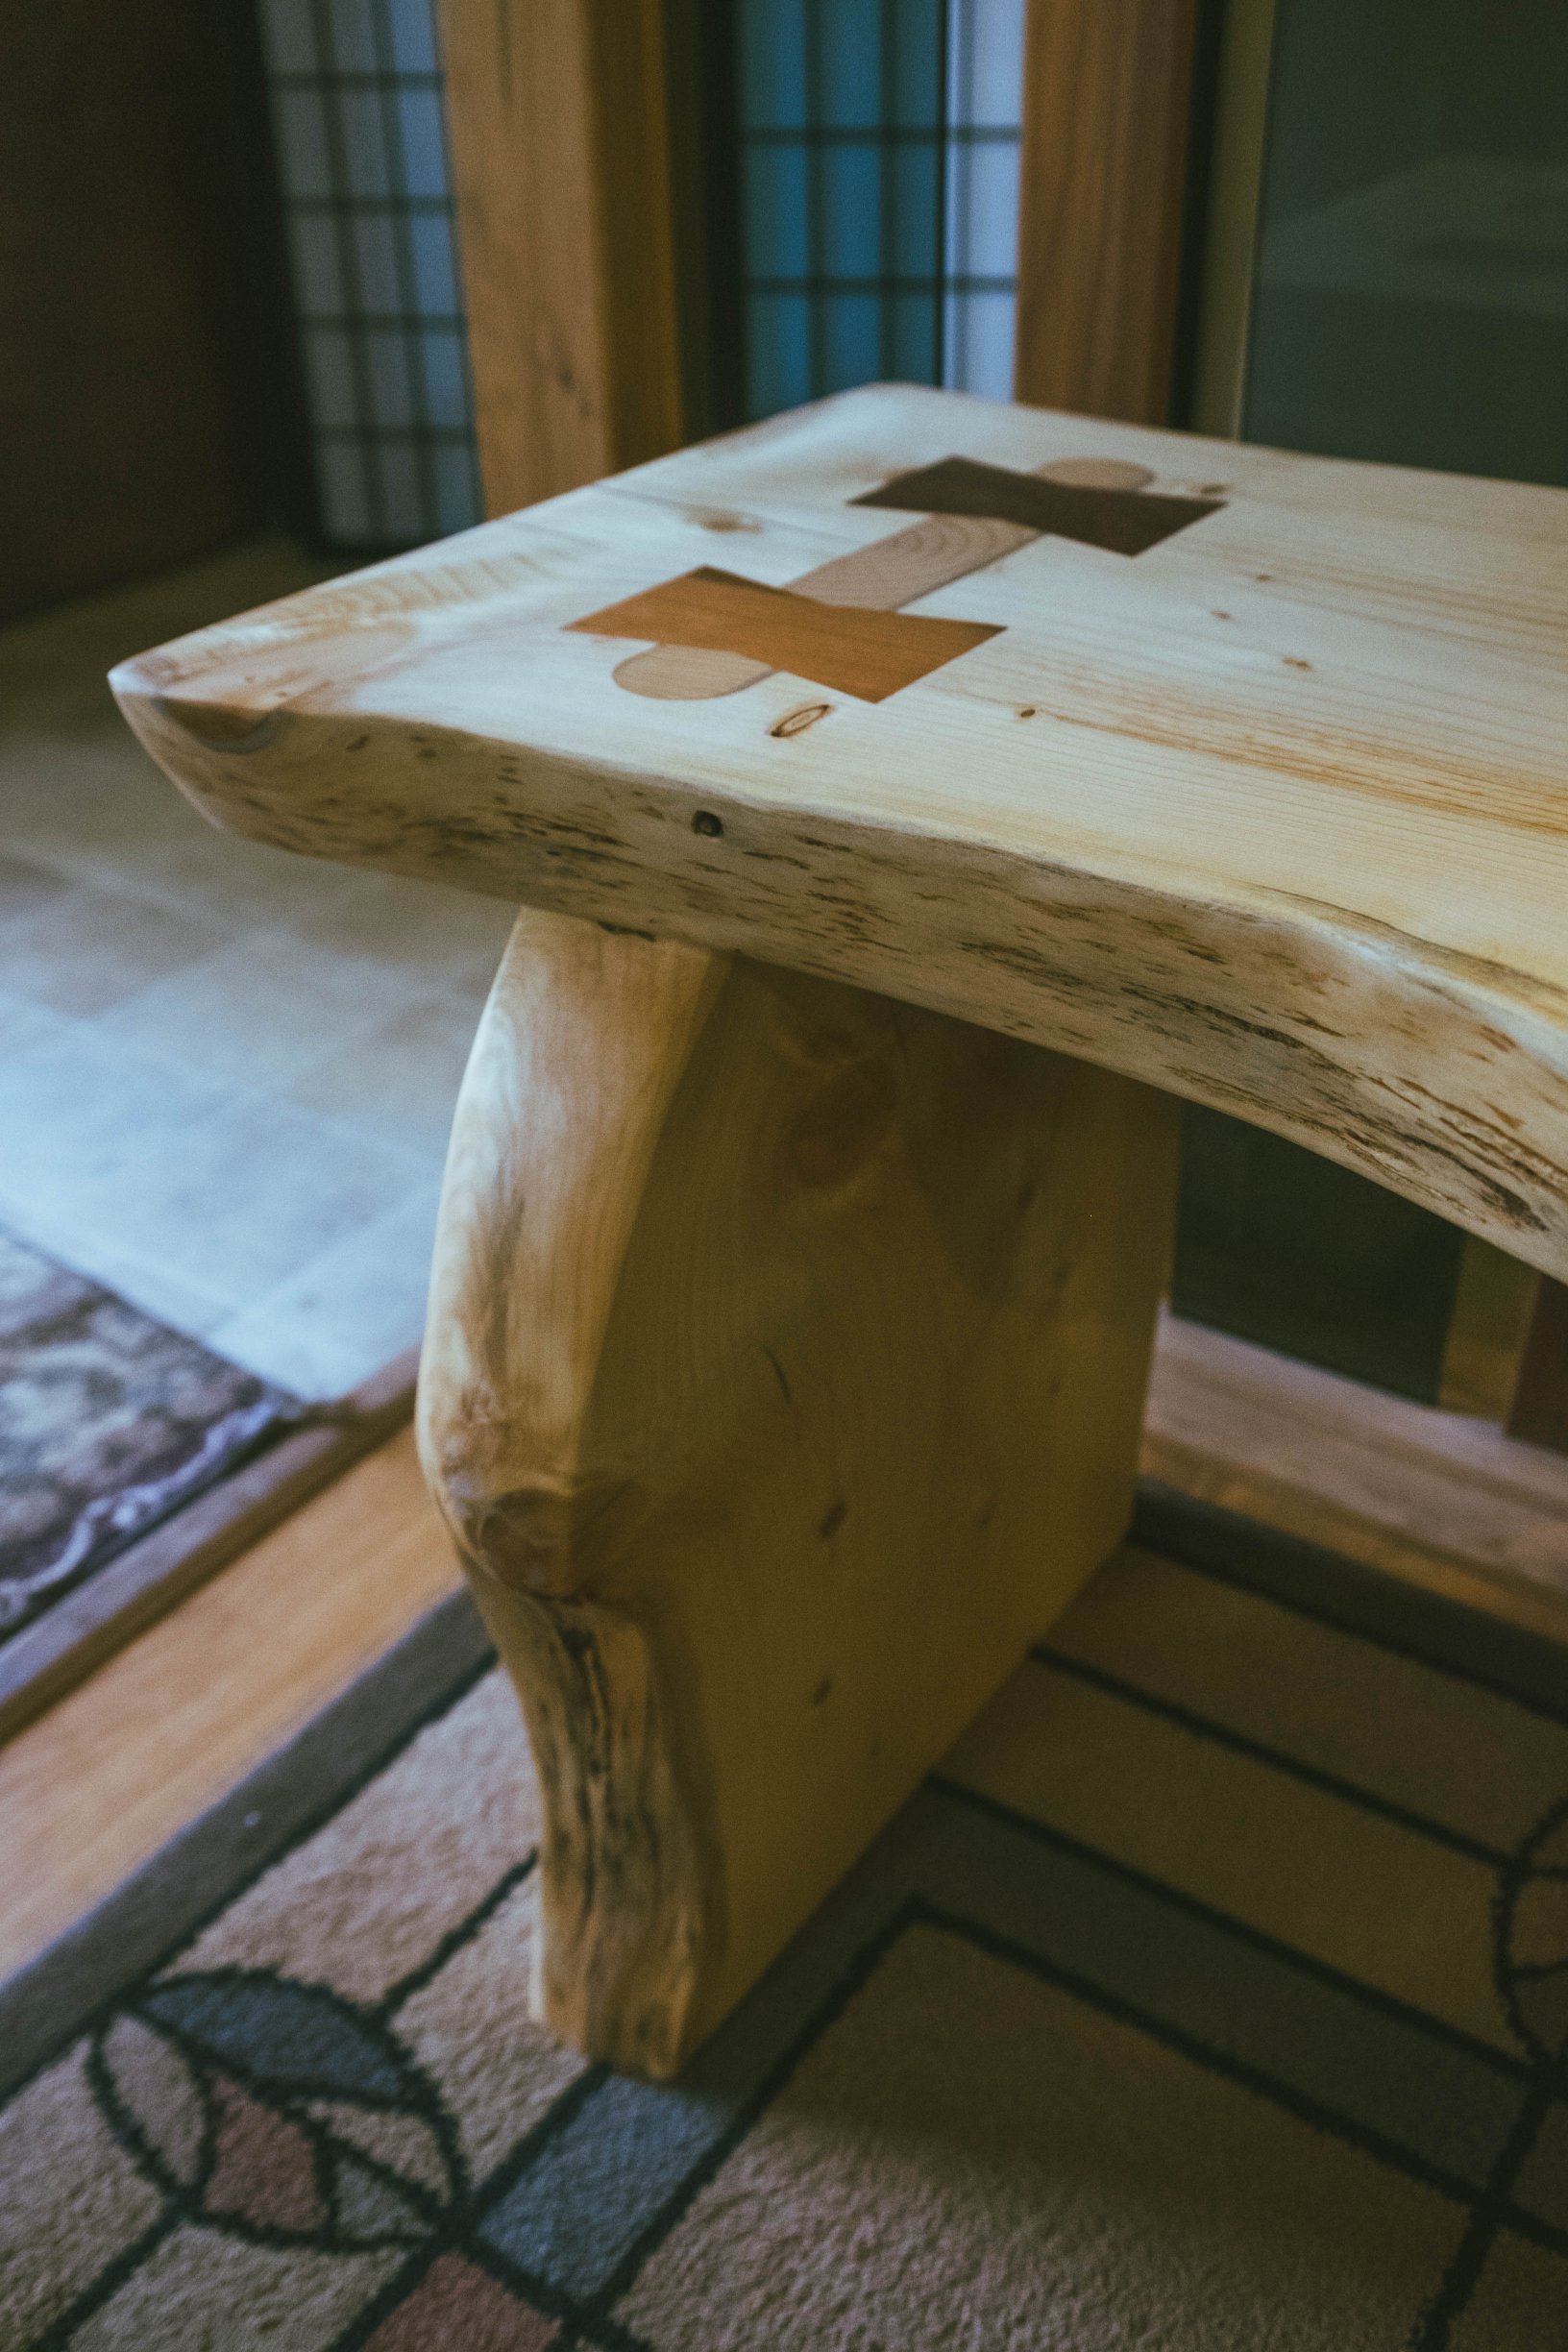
point(1213, 1996)
point(107, 1422)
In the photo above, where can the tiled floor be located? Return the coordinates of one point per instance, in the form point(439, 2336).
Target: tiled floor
point(226, 1074)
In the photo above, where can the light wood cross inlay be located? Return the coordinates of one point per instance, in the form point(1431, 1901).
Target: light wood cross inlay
point(973, 514)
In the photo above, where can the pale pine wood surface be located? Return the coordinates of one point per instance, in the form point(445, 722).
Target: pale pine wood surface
point(173, 1722)
point(783, 1380)
point(1272, 814)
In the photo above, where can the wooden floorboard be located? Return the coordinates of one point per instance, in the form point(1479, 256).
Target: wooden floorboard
point(173, 1722)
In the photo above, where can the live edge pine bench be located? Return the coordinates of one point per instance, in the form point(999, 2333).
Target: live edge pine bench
point(910, 799)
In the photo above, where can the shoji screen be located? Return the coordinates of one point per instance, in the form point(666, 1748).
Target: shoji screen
point(355, 88)
point(878, 190)
point(874, 169)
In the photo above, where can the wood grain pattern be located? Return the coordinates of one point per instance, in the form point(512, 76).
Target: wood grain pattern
point(863, 653)
point(1273, 816)
point(558, 124)
point(1106, 120)
point(784, 1372)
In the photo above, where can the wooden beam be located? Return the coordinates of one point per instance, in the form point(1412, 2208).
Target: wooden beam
point(558, 122)
point(1438, 1499)
point(1107, 99)
point(1494, 1304)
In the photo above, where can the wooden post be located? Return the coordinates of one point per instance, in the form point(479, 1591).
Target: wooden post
point(558, 123)
point(1107, 100)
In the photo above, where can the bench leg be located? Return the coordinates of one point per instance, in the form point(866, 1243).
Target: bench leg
point(784, 1373)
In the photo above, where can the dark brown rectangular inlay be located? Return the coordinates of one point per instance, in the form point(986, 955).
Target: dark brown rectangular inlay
point(860, 652)
point(1126, 521)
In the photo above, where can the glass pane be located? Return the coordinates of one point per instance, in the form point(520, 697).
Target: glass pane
point(1410, 306)
point(852, 330)
point(778, 339)
point(435, 274)
point(328, 368)
point(362, 130)
point(376, 251)
point(352, 39)
point(773, 63)
point(362, 162)
point(1412, 294)
point(457, 487)
point(304, 163)
point(852, 46)
point(386, 358)
point(776, 211)
point(412, 36)
point(318, 279)
point(851, 185)
point(915, 172)
point(340, 468)
point(289, 36)
point(446, 381)
point(980, 236)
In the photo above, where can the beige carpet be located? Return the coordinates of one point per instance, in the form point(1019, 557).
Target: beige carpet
point(1215, 1995)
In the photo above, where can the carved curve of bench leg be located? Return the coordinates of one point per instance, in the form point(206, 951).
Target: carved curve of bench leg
point(783, 1379)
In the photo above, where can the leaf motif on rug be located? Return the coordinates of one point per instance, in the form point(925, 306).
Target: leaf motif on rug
point(279, 2111)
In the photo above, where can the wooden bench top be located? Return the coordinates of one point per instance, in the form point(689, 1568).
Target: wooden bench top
point(1240, 771)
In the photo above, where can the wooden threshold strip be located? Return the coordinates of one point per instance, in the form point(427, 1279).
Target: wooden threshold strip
point(42, 1662)
point(1439, 1499)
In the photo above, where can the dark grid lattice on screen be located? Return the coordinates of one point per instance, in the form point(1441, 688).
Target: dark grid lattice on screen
point(355, 94)
point(856, 165)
